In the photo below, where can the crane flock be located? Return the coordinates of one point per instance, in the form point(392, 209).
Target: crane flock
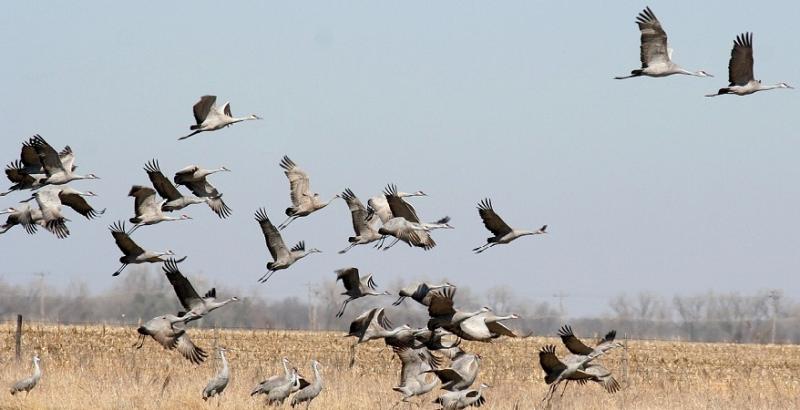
point(430, 355)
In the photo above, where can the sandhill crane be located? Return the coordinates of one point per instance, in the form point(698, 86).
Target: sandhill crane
point(379, 205)
point(365, 226)
point(503, 233)
point(190, 300)
point(655, 55)
point(271, 382)
point(483, 327)
point(576, 346)
point(405, 225)
point(50, 201)
point(148, 208)
point(414, 373)
point(740, 70)
point(282, 257)
point(311, 391)
point(50, 207)
point(201, 188)
point(461, 373)
point(420, 291)
point(27, 384)
point(455, 400)
point(371, 325)
point(58, 170)
point(209, 117)
point(572, 368)
point(304, 202)
point(602, 376)
point(433, 339)
point(279, 388)
point(219, 382)
point(443, 314)
point(132, 252)
point(174, 200)
point(356, 287)
point(28, 171)
point(170, 332)
point(25, 215)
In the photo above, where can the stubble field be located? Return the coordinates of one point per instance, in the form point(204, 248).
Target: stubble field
point(97, 367)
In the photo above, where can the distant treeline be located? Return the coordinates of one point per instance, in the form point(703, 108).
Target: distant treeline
point(140, 294)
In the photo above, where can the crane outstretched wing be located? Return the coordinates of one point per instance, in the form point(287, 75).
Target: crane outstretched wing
point(491, 220)
point(654, 39)
point(740, 66)
point(186, 293)
point(202, 108)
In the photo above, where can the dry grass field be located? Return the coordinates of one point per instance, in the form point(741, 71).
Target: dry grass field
point(96, 367)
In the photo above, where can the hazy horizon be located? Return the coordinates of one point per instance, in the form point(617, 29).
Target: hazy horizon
point(645, 184)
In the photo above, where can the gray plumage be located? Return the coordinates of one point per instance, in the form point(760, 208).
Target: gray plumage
point(218, 383)
point(365, 225)
point(274, 381)
point(209, 117)
point(195, 178)
point(355, 286)
point(27, 384)
point(741, 80)
point(133, 253)
point(416, 363)
point(461, 373)
point(503, 233)
point(312, 390)
point(282, 256)
point(420, 292)
point(304, 201)
point(188, 296)
point(170, 332)
point(456, 400)
point(577, 347)
point(173, 199)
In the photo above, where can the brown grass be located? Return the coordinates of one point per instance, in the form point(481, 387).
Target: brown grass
point(93, 367)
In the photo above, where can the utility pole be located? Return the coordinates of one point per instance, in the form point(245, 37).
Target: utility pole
point(312, 307)
point(561, 295)
point(41, 276)
point(775, 295)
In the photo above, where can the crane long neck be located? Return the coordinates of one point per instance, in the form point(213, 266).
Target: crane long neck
point(225, 370)
point(317, 376)
point(37, 371)
point(214, 304)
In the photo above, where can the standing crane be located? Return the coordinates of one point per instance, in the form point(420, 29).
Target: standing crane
point(364, 225)
point(148, 208)
point(173, 199)
point(304, 202)
point(27, 384)
point(190, 300)
point(197, 183)
point(169, 331)
point(311, 391)
point(740, 70)
point(282, 257)
point(133, 253)
point(656, 56)
point(271, 382)
point(356, 287)
point(218, 383)
point(503, 233)
point(209, 117)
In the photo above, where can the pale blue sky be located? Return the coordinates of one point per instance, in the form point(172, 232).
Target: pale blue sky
point(645, 184)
